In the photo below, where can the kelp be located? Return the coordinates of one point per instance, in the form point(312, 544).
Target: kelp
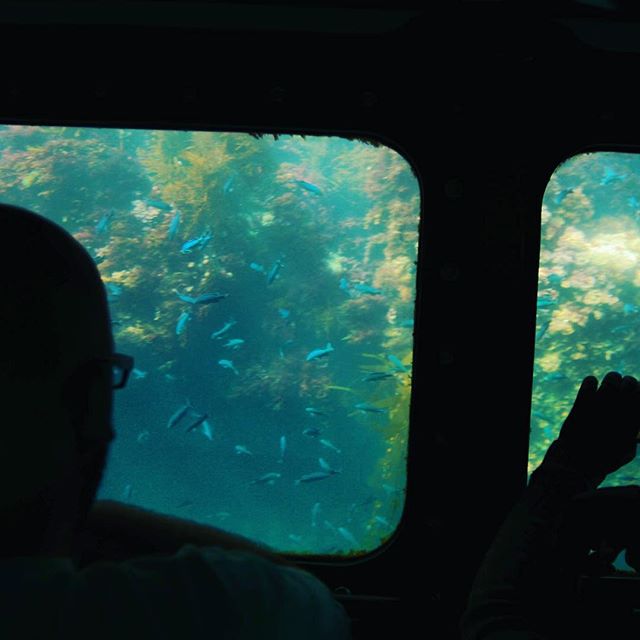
point(588, 319)
point(335, 222)
point(66, 178)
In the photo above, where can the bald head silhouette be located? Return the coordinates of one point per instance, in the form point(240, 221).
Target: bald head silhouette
point(55, 420)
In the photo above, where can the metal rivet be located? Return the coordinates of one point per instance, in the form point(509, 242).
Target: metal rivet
point(449, 272)
point(189, 95)
point(277, 94)
point(453, 188)
point(369, 99)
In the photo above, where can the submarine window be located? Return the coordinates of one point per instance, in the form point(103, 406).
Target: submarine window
point(265, 287)
point(588, 305)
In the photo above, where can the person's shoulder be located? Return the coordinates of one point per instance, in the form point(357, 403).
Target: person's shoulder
point(288, 599)
point(250, 592)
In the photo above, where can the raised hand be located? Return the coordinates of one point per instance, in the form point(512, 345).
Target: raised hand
point(600, 432)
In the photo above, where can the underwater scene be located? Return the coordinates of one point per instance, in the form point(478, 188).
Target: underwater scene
point(588, 306)
point(265, 287)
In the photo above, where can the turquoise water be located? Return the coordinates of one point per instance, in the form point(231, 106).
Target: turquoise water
point(588, 318)
point(265, 288)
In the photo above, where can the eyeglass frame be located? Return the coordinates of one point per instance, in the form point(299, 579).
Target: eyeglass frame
point(122, 360)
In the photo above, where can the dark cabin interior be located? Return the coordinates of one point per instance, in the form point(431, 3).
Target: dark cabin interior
point(485, 99)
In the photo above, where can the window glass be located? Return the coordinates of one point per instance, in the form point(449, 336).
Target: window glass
point(265, 287)
point(588, 307)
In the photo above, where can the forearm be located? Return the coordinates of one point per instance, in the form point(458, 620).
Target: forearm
point(118, 531)
point(523, 559)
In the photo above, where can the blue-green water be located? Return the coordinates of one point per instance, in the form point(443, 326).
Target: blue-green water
point(301, 363)
point(588, 318)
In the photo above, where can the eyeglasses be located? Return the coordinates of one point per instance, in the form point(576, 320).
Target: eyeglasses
point(121, 366)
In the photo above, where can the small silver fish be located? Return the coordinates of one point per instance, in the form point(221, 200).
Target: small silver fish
point(329, 444)
point(330, 526)
point(375, 376)
point(348, 536)
point(227, 325)
point(179, 414)
point(234, 343)
point(314, 514)
point(397, 363)
point(365, 407)
point(202, 425)
point(313, 477)
point(319, 353)
point(228, 364)
point(267, 478)
point(185, 316)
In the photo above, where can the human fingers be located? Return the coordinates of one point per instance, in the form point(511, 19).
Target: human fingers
point(610, 386)
point(629, 384)
point(629, 408)
point(614, 402)
point(630, 391)
point(580, 410)
point(611, 379)
point(588, 386)
point(586, 392)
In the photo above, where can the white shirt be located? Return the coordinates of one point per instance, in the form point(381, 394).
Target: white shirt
point(197, 593)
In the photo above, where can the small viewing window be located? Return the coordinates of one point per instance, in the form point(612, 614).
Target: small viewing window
point(265, 288)
point(588, 311)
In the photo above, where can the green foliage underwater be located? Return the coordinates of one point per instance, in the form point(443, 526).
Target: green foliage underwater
point(588, 317)
point(265, 287)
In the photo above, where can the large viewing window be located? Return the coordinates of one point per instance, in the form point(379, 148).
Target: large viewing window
point(265, 287)
point(588, 317)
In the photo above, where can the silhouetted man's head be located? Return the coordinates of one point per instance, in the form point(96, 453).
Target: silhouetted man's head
point(55, 380)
